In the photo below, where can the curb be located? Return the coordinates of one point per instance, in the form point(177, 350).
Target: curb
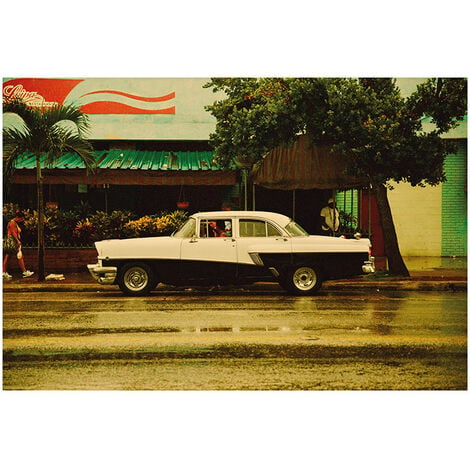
point(402, 285)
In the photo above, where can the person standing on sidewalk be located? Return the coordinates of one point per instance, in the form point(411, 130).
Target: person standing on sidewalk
point(14, 230)
point(330, 218)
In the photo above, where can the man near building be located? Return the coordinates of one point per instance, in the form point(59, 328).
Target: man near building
point(330, 218)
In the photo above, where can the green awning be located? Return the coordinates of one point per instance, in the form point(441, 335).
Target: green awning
point(131, 160)
point(71, 161)
point(130, 167)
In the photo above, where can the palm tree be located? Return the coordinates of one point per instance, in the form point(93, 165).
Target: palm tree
point(47, 133)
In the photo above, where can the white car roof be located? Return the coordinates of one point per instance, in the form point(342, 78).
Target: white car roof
point(279, 219)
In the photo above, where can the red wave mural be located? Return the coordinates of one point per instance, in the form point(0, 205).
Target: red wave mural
point(170, 96)
point(101, 106)
point(112, 107)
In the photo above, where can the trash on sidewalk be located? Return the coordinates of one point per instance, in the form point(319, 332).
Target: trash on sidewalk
point(55, 277)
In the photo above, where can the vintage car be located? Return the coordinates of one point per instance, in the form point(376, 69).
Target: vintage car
point(231, 247)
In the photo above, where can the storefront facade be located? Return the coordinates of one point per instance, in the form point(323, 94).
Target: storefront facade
point(151, 140)
point(151, 137)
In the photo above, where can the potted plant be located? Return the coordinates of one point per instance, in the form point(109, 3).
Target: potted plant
point(182, 204)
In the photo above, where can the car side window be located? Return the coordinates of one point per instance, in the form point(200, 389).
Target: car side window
point(257, 228)
point(215, 228)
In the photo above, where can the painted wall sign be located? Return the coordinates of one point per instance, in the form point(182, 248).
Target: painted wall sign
point(126, 108)
point(40, 92)
point(47, 92)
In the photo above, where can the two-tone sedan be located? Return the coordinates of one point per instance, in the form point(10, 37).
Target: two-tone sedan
point(234, 248)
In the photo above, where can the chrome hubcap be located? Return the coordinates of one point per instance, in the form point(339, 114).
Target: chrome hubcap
point(136, 278)
point(304, 278)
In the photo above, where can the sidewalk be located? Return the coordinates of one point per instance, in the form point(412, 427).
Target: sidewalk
point(426, 274)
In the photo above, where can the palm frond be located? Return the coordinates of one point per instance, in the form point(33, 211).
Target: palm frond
point(49, 132)
point(70, 113)
point(27, 114)
point(72, 142)
point(15, 142)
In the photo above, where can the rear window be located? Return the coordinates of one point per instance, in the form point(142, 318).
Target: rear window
point(258, 228)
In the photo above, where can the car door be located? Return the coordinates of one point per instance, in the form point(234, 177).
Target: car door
point(211, 253)
point(258, 235)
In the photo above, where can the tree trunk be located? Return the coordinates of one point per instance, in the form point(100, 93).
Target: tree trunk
point(396, 265)
point(40, 207)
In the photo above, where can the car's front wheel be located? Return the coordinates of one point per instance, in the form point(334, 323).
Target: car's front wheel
point(136, 279)
point(302, 280)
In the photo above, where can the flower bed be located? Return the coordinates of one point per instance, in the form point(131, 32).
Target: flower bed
point(81, 227)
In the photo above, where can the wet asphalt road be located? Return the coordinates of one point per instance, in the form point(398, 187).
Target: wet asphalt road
point(235, 340)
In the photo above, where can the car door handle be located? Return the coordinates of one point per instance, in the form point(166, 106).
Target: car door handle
point(193, 240)
point(281, 239)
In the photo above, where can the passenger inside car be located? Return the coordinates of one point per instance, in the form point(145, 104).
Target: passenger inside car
point(216, 228)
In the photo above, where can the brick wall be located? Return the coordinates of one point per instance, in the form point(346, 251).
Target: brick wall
point(454, 203)
point(57, 260)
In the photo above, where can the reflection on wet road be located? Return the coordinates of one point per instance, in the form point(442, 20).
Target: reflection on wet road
point(222, 326)
point(84, 314)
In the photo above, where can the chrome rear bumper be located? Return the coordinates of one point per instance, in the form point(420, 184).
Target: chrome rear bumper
point(369, 266)
point(103, 274)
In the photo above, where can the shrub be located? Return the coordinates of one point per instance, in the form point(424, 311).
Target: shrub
point(9, 212)
point(164, 223)
point(83, 232)
point(80, 227)
point(348, 222)
point(144, 227)
point(108, 226)
point(167, 223)
point(58, 227)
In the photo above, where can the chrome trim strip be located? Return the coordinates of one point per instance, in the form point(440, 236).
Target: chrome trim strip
point(274, 272)
point(256, 259)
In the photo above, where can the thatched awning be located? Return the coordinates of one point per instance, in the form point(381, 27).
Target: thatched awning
point(304, 165)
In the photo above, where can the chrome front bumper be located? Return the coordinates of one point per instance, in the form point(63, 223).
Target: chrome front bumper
point(369, 266)
point(103, 274)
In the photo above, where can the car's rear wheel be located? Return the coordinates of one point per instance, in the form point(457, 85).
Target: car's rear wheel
point(302, 280)
point(136, 279)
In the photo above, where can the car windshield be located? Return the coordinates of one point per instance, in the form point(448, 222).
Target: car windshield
point(295, 230)
point(187, 230)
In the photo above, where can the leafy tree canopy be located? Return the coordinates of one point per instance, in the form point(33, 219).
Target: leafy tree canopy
point(366, 119)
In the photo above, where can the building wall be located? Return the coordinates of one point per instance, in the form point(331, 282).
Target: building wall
point(126, 108)
point(432, 221)
point(417, 215)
